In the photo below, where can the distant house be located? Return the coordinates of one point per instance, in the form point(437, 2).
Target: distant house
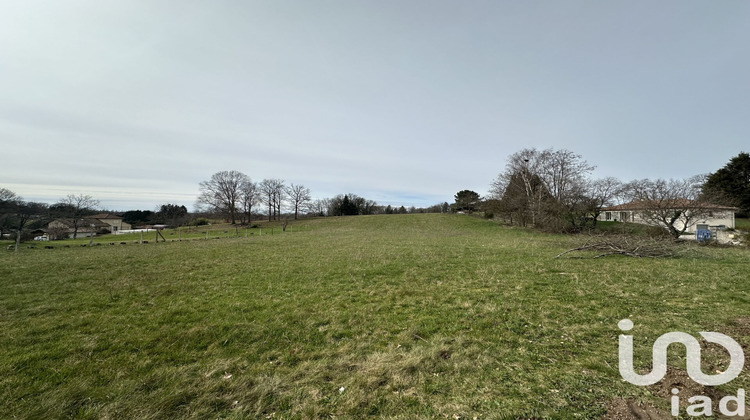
point(707, 216)
point(60, 228)
point(98, 223)
point(114, 221)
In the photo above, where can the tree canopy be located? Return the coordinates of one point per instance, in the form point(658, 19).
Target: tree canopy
point(171, 214)
point(466, 200)
point(731, 184)
point(350, 205)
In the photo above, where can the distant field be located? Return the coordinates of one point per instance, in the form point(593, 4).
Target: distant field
point(398, 316)
point(743, 224)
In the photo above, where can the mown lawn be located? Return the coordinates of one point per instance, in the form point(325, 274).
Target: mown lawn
point(399, 316)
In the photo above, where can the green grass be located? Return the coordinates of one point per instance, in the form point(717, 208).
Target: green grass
point(743, 224)
point(399, 316)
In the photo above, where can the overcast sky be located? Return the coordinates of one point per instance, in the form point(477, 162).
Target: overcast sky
point(403, 102)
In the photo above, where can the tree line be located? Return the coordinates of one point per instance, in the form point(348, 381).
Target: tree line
point(166, 214)
point(235, 197)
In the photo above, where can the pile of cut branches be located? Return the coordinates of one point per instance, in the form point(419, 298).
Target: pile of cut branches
point(638, 247)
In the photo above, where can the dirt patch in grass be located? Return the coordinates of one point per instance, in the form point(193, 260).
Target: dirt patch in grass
point(622, 409)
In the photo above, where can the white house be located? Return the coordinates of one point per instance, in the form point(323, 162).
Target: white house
point(707, 216)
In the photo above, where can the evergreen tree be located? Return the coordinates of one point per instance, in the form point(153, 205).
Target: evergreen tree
point(731, 184)
point(348, 207)
point(467, 200)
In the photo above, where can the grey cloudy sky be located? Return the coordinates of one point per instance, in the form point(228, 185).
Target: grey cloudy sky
point(403, 102)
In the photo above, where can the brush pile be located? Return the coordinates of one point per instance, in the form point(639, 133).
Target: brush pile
point(629, 246)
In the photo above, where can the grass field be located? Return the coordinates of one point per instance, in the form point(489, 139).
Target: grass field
point(398, 316)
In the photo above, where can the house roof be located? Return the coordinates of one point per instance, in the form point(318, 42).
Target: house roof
point(83, 223)
point(676, 203)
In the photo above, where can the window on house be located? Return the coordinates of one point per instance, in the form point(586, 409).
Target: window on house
point(608, 215)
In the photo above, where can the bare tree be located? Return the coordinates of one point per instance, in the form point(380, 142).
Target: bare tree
point(299, 196)
point(266, 190)
point(604, 192)
point(272, 195)
point(7, 195)
point(563, 172)
point(222, 192)
point(521, 185)
point(673, 204)
point(249, 196)
point(78, 206)
point(26, 211)
point(279, 197)
point(318, 207)
point(544, 187)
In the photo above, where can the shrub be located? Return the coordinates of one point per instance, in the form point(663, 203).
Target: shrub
point(200, 221)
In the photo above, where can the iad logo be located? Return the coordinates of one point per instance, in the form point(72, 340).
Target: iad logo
point(702, 404)
point(693, 348)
